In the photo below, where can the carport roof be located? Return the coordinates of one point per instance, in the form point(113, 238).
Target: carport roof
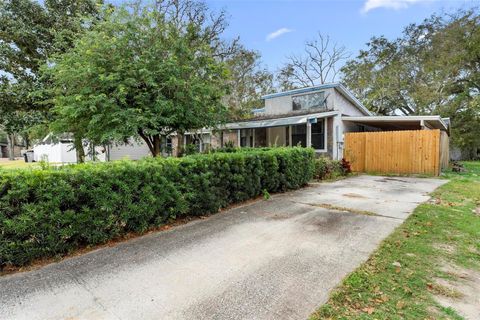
point(400, 122)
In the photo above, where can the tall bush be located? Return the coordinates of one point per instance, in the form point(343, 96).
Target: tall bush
point(50, 212)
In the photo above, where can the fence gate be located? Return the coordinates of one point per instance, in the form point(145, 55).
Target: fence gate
point(412, 151)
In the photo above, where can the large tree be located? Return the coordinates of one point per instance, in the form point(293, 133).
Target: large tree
point(30, 32)
point(318, 64)
point(138, 74)
point(249, 81)
point(433, 68)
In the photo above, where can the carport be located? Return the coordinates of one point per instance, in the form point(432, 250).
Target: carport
point(397, 144)
point(393, 123)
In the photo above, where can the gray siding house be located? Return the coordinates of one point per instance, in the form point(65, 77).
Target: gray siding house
point(310, 117)
point(317, 117)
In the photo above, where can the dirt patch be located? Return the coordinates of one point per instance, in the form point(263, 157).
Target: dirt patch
point(476, 211)
point(461, 293)
point(445, 248)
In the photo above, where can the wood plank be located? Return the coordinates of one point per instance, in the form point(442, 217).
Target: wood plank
point(408, 152)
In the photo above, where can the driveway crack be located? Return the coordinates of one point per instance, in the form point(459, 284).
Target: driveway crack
point(345, 209)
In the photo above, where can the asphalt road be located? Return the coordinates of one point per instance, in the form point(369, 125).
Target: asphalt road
point(272, 259)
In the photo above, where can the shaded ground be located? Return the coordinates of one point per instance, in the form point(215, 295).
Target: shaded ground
point(274, 259)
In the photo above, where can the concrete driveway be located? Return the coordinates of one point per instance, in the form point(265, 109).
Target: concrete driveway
point(275, 259)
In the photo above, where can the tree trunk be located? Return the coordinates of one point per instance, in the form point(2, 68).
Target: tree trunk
point(11, 146)
point(77, 143)
point(156, 145)
point(26, 141)
point(180, 145)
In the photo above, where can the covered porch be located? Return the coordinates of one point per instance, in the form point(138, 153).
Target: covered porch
point(311, 130)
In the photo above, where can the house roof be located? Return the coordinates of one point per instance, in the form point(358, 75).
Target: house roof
point(278, 121)
point(337, 85)
point(401, 122)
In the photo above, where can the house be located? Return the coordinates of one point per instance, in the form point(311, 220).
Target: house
point(60, 149)
point(317, 117)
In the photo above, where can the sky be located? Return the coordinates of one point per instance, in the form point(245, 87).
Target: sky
point(278, 28)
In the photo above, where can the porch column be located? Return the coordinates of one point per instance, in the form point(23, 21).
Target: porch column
point(238, 138)
point(289, 136)
point(337, 144)
point(309, 134)
point(253, 139)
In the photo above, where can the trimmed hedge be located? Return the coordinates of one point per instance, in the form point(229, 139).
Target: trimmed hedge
point(51, 212)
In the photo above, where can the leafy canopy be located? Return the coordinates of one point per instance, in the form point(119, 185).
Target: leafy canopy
point(138, 74)
point(31, 31)
point(434, 68)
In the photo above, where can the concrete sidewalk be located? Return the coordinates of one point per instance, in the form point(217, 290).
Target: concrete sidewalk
point(275, 259)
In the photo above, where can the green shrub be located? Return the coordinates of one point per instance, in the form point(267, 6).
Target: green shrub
point(327, 169)
point(51, 212)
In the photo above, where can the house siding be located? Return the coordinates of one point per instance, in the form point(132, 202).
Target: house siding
point(134, 150)
point(346, 107)
point(278, 105)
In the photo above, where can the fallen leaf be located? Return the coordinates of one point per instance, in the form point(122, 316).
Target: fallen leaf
point(397, 264)
point(400, 304)
point(368, 310)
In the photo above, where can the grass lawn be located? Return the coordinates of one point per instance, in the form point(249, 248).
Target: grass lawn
point(401, 278)
point(16, 164)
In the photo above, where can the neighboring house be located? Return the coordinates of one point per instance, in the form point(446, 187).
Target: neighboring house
point(18, 146)
point(60, 150)
point(315, 117)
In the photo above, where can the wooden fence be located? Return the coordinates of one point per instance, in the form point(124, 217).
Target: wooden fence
point(400, 152)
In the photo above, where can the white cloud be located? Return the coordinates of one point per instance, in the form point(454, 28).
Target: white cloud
point(390, 4)
point(277, 33)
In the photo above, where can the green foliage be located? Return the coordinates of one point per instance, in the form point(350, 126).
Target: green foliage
point(432, 69)
point(329, 169)
point(52, 211)
point(266, 194)
point(30, 32)
point(248, 82)
point(228, 147)
point(190, 149)
point(138, 74)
